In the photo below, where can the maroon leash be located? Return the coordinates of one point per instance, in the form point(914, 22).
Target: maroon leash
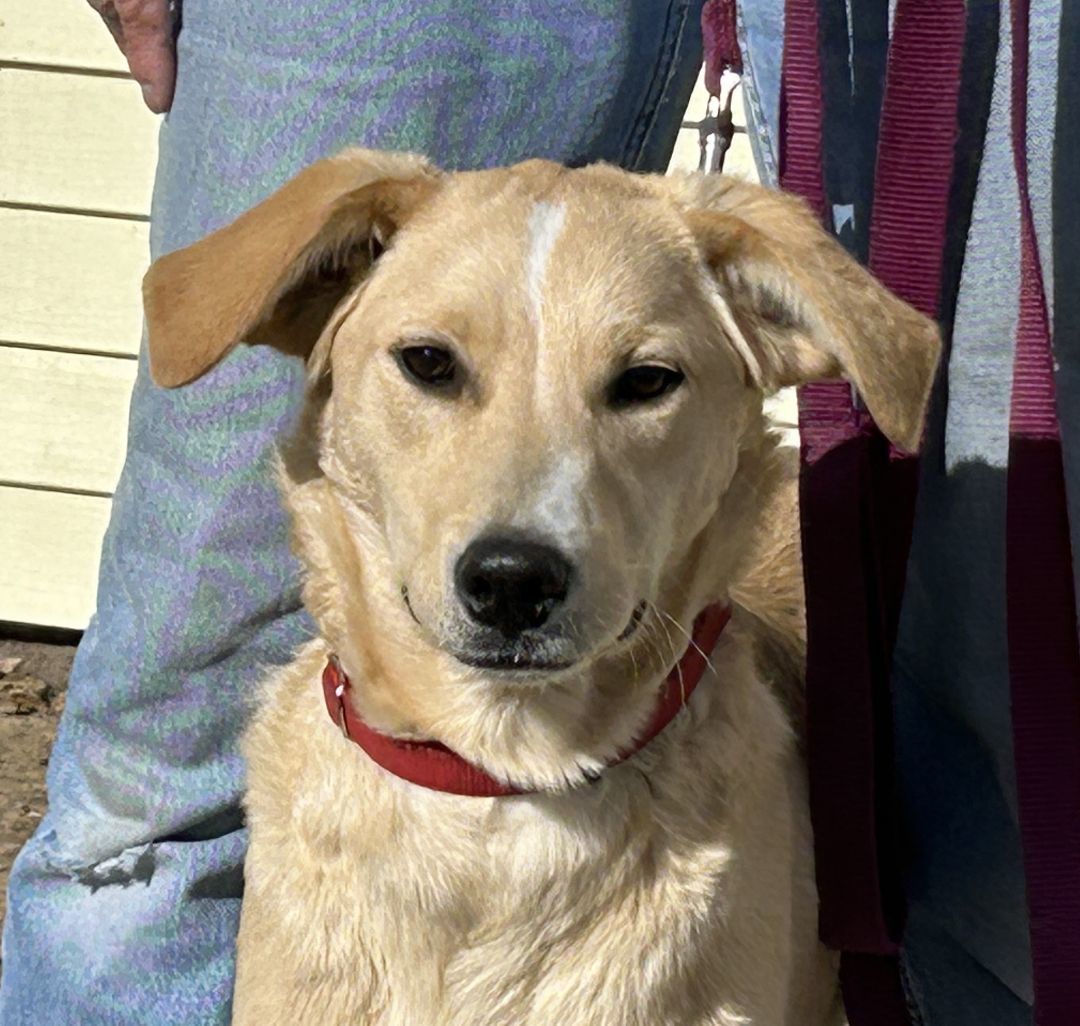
point(858, 495)
point(1044, 657)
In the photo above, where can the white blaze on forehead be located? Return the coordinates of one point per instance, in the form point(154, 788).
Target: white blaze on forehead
point(545, 226)
point(557, 510)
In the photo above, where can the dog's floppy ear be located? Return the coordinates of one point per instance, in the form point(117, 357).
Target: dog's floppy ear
point(800, 309)
point(275, 274)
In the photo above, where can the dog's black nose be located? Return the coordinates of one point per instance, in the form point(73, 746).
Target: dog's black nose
point(511, 583)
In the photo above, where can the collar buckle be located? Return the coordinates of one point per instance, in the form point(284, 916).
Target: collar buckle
point(340, 682)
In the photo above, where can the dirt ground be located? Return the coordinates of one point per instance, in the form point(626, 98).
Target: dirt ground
point(33, 684)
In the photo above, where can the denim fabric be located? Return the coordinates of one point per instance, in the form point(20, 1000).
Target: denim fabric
point(761, 39)
point(123, 907)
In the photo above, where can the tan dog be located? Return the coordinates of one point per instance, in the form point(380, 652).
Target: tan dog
point(533, 450)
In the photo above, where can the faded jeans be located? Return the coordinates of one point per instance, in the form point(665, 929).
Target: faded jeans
point(123, 907)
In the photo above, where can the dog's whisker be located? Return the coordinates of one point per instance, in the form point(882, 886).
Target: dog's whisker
point(704, 655)
point(672, 648)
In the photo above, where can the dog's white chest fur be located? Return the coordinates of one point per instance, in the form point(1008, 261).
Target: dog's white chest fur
point(675, 890)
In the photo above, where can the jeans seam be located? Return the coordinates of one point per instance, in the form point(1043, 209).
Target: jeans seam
point(664, 70)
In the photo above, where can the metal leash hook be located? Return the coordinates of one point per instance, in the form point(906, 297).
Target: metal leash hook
point(716, 130)
point(723, 65)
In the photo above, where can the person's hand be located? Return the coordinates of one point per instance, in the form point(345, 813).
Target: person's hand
point(143, 29)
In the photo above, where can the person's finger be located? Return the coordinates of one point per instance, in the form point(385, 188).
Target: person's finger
point(112, 21)
point(148, 45)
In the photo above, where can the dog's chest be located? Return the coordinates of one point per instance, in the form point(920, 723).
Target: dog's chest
point(657, 896)
point(528, 912)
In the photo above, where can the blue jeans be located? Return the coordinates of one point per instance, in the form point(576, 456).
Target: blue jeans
point(124, 905)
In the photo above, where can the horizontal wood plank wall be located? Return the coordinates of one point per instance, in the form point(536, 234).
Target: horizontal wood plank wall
point(51, 543)
point(77, 154)
point(63, 33)
point(69, 281)
point(687, 154)
point(75, 141)
point(63, 419)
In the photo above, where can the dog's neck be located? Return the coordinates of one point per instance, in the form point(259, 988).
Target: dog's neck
point(432, 765)
point(540, 736)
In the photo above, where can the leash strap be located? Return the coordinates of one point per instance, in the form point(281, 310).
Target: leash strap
point(720, 41)
point(1044, 657)
point(843, 456)
point(858, 495)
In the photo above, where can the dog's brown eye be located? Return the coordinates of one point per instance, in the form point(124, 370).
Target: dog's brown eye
point(430, 365)
point(641, 384)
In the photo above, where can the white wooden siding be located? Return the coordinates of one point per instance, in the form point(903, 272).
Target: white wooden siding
point(50, 544)
point(739, 160)
point(75, 141)
point(77, 153)
point(63, 418)
point(66, 33)
point(70, 281)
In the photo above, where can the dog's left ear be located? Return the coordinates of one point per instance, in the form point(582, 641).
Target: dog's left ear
point(800, 309)
point(276, 273)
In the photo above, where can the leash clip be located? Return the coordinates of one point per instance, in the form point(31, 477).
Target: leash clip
point(716, 129)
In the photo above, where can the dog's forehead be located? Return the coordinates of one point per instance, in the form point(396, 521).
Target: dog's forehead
point(539, 228)
point(598, 205)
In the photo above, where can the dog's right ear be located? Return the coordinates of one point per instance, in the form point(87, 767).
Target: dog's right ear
point(276, 274)
point(799, 308)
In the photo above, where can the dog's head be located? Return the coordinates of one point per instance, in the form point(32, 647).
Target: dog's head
point(533, 444)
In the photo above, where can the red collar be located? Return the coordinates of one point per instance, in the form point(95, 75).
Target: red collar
point(433, 765)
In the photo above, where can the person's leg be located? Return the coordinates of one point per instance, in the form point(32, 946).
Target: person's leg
point(124, 905)
point(966, 957)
